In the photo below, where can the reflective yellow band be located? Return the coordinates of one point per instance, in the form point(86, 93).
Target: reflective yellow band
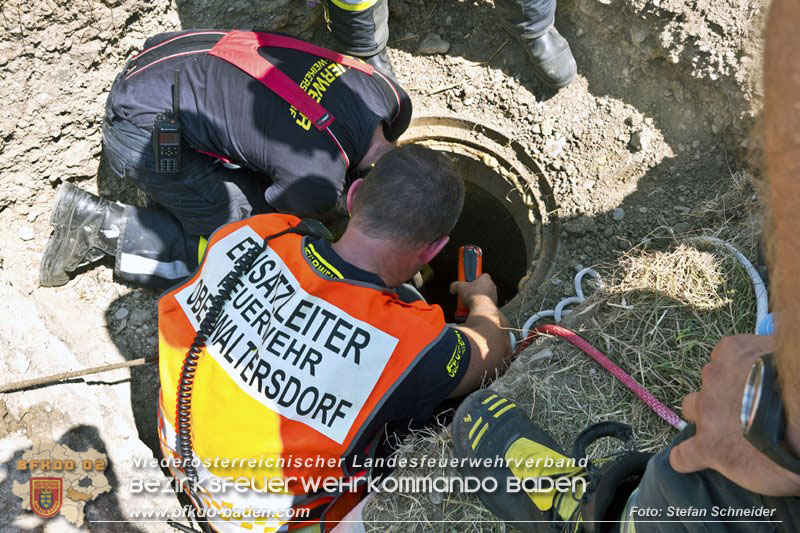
point(480, 434)
point(201, 249)
point(504, 409)
point(489, 399)
point(498, 402)
point(361, 6)
point(529, 459)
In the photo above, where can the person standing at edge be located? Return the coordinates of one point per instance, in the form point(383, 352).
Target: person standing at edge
point(361, 28)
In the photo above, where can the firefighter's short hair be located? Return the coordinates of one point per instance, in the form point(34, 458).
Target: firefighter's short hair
point(413, 195)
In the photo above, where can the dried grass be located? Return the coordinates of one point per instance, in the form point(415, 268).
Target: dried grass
point(658, 321)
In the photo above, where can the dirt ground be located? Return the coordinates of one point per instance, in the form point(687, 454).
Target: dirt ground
point(651, 140)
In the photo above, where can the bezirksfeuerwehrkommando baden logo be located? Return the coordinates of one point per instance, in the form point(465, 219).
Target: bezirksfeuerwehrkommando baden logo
point(61, 480)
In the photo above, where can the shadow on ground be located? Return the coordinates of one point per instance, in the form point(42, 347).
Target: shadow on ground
point(105, 507)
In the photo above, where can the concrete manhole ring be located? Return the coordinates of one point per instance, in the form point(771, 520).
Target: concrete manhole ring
point(518, 191)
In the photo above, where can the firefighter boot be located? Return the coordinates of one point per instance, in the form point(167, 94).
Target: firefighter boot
point(361, 29)
point(382, 62)
point(534, 485)
point(552, 58)
point(85, 229)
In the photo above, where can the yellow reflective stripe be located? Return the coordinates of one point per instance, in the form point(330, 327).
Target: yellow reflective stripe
point(361, 6)
point(498, 402)
point(201, 249)
point(477, 423)
point(480, 434)
point(489, 399)
point(504, 409)
point(322, 260)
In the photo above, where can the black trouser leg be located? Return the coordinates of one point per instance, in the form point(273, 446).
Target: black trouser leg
point(360, 28)
point(663, 494)
point(527, 19)
point(153, 249)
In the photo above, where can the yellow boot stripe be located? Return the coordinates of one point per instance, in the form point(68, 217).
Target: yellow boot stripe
point(480, 434)
point(354, 6)
point(504, 409)
point(498, 402)
point(489, 399)
point(477, 423)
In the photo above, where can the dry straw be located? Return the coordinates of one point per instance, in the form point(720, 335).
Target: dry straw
point(659, 320)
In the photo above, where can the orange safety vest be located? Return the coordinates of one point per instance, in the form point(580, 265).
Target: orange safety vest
point(296, 368)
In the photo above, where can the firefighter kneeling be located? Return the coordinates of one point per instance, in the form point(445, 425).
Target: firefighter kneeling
point(316, 347)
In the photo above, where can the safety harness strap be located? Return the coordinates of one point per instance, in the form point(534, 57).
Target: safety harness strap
point(284, 41)
point(240, 48)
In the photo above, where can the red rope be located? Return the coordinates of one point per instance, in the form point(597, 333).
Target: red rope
point(576, 340)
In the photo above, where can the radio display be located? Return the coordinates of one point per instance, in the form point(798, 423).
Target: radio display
point(168, 137)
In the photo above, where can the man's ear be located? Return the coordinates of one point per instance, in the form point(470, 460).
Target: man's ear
point(433, 249)
point(351, 193)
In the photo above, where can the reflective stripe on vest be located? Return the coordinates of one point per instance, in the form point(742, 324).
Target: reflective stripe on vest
point(229, 510)
point(298, 365)
point(201, 248)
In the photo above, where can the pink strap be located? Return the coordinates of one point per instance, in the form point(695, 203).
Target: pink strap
point(182, 36)
point(667, 414)
point(645, 395)
point(215, 156)
point(283, 41)
point(240, 48)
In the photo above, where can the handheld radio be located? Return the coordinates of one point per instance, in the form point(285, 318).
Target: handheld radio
point(167, 143)
point(470, 266)
point(167, 135)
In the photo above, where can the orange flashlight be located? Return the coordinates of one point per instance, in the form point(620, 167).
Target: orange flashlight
point(470, 266)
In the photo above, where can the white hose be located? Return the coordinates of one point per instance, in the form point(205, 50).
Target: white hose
point(759, 287)
point(559, 311)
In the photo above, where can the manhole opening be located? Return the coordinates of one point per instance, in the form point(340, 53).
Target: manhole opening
point(494, 218)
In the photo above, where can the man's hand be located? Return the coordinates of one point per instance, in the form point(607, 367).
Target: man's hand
point(473, 291)
point(718, 442)
point(486, 329)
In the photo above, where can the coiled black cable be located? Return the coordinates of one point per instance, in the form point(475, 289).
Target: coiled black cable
point(186, 382)
point(183, 411)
